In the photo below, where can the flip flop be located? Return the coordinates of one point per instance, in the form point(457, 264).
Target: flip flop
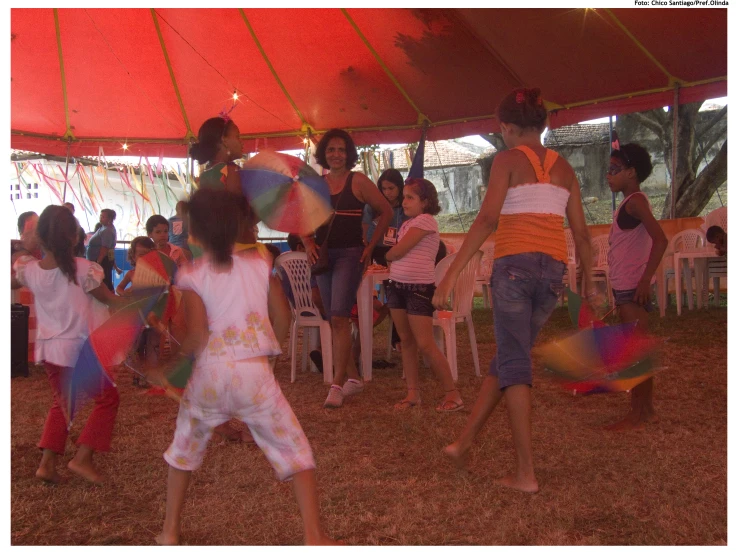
point(455, 406)
point(403, 405)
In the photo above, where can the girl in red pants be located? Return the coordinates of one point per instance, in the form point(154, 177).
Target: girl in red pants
point(67, 290)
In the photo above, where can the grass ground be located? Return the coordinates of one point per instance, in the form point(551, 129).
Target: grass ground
point(595, 214)
point(382, 477)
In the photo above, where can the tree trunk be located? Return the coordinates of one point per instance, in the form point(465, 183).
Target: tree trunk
point(697, 194)
point(686, 152)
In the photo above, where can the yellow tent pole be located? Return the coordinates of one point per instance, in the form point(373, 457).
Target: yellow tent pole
point(271, 68)
point(171, 75)
point(421, 117)
point(643, 49)
point(68, 133)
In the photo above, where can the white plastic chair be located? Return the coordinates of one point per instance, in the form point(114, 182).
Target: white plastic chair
point(485, 273)
point(600, 267)
point(297, 269)
point(461, 303)
point(683, 241)
point(719, 217)
point(572, 271)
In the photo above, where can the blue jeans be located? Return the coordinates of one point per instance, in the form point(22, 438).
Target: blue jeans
point(525, 288)
point(339, 285)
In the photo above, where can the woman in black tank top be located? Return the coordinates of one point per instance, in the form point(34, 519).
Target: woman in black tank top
point(347, 255)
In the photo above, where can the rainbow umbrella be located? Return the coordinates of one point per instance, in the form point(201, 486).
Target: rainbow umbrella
point(601, 359)
point(106, 347)
point(286, 193)
point(156, 269)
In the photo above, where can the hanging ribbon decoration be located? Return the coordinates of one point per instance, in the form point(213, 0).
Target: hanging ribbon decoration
point(124, 179)
point(67, 181)
point(164, 185)
point(85, 183)
point(97, 187)
point(41, 175)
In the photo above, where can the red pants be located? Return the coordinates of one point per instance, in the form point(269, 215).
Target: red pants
point(99, 426)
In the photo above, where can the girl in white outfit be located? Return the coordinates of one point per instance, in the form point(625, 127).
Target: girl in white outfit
point(228, 305)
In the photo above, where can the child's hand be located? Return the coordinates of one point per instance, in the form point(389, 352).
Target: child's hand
point(642, 293)
point(442, 294)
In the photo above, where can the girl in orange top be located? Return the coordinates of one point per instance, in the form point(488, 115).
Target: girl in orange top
point(530, 191)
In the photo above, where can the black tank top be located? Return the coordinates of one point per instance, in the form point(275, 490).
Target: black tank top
point(346, 231)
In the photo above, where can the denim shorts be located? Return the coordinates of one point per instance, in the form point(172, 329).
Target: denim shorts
point(338, 286)
point(525, 288)
point(626, 297)
point(413, 297)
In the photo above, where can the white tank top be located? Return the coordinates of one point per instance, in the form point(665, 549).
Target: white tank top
point(629, 251)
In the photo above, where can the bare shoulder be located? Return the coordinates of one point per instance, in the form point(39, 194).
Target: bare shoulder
point(362, 180)
point(638, 205)
point(562, 173)
point(507, 158)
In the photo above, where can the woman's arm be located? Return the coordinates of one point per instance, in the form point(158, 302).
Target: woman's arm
point(103, 254)
point(369, 194)
point(409, 240)
point(484, 225)
point(638, 208)
point(279, 309)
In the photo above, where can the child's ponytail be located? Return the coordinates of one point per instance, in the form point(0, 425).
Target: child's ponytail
point(57, 231)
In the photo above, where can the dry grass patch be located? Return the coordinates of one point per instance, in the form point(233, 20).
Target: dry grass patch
point(383, 479)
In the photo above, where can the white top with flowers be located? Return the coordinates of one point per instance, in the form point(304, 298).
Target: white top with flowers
point(236, 306)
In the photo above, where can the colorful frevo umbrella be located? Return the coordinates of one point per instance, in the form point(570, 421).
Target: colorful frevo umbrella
point(599, 358)
point(602, 359)
point(156, 269)
point(106, 347)
point(286, 193)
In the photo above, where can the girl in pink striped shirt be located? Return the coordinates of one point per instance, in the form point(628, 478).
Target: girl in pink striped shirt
point(411, 288)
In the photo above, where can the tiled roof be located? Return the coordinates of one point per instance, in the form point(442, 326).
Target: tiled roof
point(441, 153)
point(589, 133)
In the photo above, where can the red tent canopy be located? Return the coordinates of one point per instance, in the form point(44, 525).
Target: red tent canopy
point(149, 78)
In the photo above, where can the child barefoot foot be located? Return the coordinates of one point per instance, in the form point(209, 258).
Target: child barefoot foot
point(629, 422)
point(459, 456)
point(167, 539)
point(49, 476)
point(322, 540)
point(86, 470)
point(529, 485)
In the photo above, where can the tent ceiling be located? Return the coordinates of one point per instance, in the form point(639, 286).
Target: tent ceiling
point(149, 78)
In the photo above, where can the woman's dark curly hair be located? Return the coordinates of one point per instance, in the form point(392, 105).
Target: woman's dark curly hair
point(214, 220)
point(426, 191)
point(209, 136)
point(146, 242)
point(57, 231)
point(352, 156)
point(523, 107)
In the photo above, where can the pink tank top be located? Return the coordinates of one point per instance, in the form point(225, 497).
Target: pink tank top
point(628, 253)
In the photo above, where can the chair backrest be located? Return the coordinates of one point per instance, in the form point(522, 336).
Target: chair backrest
point(600, 248)
point(297, 269)
point(686, 241)
point(719, 217)
point(463, 293)
point(488, 259)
